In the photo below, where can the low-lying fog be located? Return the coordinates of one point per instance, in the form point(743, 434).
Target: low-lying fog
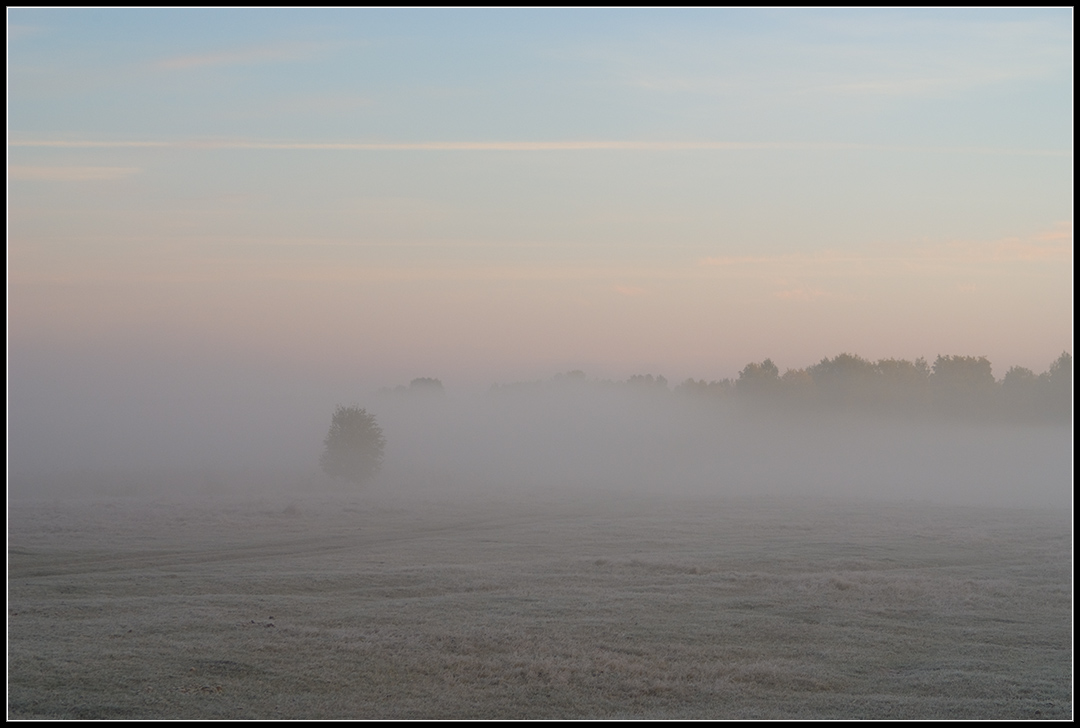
point(566, 549)
point(564, 434)
point(655, 442)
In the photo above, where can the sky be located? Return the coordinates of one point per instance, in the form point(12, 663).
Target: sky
point(212, 205)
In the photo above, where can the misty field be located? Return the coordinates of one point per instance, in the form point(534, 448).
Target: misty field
point(487, 606)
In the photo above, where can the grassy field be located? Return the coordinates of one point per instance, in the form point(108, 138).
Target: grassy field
point(536, 607)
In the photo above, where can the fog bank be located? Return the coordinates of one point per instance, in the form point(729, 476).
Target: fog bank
point(567, 435)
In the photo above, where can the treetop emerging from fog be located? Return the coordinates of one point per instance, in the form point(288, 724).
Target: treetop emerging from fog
point(354, 446)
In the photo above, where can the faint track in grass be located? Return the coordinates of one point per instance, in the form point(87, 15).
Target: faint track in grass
point(33, 563)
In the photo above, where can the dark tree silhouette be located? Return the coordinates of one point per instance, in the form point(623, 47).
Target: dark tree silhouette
point(1020, 393)
point(902, 386)
point(846, 380)
point(955, 387)
point(426, 385)
point(701, 389)
point(643, 382)
point(756, 379)
point(1059, 389)
point(962, 385)
point(798, 388)
point(963, 372)
point(354, 446)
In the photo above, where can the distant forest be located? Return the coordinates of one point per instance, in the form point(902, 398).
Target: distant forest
point(952, 387)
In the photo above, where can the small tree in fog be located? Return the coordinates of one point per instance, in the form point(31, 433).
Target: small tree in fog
point(427, 385)
point(354, 446)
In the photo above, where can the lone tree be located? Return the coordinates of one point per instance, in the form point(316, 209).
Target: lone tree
point(354, 446)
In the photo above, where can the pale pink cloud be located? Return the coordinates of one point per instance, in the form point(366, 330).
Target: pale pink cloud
point(70, 174)
point(1047, 246)
point(242, 56)
point(524, 146)
point(1053, 245)
point(17, 31)
point(88, 144)
point(802, 293)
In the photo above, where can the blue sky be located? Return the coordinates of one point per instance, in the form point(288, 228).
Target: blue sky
point(882, 77)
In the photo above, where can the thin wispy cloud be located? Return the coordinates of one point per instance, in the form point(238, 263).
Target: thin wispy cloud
point(17, 31)
point(1054, 245)
point(233, 267)
point(496, 146)
point(684, 84)
point(64, 144)
point(803, 293)
point(889, 87)
point(920, 85)
point(884, 86)
point(243, 56)
point(531, 146)
point(864, 58)
point(310, 104)
point(794, 277)
point(71, 174)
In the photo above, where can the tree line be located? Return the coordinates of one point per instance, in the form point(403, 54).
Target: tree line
point(953, 386)
point(961, 387)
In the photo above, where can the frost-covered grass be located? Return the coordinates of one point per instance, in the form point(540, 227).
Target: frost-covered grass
point(537, 607)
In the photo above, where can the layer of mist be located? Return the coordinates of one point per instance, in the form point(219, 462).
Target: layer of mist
point(565, 435)
point(575, 435)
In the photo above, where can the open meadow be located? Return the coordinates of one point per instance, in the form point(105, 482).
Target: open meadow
point(541, 606)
